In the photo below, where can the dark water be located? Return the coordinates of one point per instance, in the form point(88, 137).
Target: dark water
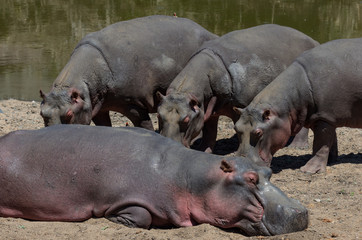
point(38, 36)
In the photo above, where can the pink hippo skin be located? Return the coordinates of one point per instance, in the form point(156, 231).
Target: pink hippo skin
point(119, 68)
point(225, 72)
point(321, 90)
point(138, 178)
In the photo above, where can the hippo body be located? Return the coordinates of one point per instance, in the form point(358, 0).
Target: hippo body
point(226, 72)
point(321, 90)
point(119, 68)
point(138, 178)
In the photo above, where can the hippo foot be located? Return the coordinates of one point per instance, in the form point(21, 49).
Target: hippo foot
point(132, 217)
point(300, 141)
point(315, 165)
point(208, 150)
point(202, 146)
point(302, 145)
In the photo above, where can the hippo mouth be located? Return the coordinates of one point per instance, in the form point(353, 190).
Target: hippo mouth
point(279, 224)
point(185, 141)
point(255, 229)
point(265, 157)
point(255, 226)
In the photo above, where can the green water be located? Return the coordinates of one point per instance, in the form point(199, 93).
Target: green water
point(38, 36)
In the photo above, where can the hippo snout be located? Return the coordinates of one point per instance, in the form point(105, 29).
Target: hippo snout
point(286, 219)
point(281, 213)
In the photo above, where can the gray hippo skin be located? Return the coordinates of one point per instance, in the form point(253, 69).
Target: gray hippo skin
point(138, 178)
point(226, 72)
point(119, 68)
point(321, 90)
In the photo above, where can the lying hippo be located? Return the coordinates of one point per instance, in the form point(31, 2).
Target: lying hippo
point(321, 90)
point(225, 72)
point(138, 178)
point(119, 68)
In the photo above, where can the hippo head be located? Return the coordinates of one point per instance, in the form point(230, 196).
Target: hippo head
point(65, 107)
point(248, 201)
point(180, 117)
point(261, 133)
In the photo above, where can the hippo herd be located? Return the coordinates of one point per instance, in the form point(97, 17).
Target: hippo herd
point(274, 82)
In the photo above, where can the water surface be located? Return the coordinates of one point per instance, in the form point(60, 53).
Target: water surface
point(38, 36)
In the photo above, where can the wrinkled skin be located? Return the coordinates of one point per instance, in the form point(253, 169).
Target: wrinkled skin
point(321, 90)
point(137, 178)
point(226, 72)
point(119, 68)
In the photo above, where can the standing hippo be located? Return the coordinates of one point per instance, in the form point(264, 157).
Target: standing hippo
point(225, 72)
point(321, 90)
point(119, 68)
point(138, 178)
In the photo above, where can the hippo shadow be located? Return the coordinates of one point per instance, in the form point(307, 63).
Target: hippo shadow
point(230, 146)
point(222, 147)
point(296, 162)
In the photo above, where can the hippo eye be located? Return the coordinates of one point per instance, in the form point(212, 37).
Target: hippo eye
point(251, 178)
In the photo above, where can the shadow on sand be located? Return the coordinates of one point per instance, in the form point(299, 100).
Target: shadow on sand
point(295, 162)
point(230, 145)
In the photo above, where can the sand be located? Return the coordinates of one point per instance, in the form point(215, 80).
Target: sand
point(332, 198)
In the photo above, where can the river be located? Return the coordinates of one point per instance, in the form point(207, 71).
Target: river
point(38, 36)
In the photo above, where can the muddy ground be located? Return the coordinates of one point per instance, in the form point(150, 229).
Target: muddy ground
point(333, 198)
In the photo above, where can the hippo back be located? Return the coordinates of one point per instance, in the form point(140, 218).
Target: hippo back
point(255, 56)
point(148, 52)
point(334, 71)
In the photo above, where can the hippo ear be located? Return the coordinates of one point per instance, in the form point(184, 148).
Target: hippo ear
point(69, 115)
point(238, 111)
point(74, 96)
point(194, 103)
point(193, 99)
point(76, 100)
point(42, 95)
point(226, 166)
point(186, 119)
point(210, 108)
point(266, 115)
point(160, 96)
point(258, 132)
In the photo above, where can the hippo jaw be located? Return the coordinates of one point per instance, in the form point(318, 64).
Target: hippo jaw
point(281, 214)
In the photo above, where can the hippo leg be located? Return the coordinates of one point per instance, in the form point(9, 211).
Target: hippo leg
point(139, 117)
point(134, 216)
point(102, 119)
point(324, 146)
point(333, 153)
point(301, 139)
point(209, 132)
